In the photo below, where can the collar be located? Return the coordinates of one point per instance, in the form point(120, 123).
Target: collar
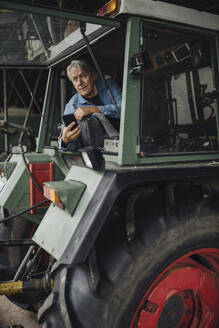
point(82, 100)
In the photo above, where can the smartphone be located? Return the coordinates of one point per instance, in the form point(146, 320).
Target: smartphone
point(68, 119)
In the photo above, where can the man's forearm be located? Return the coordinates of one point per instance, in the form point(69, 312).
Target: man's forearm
point(109, 110)
point(81, 112)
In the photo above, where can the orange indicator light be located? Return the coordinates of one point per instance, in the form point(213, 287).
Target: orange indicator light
point(109, 8)
point(51, 194)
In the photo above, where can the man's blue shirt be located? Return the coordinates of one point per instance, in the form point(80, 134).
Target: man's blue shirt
point(107, 108)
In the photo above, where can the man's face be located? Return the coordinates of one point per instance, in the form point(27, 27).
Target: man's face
point(83, 82)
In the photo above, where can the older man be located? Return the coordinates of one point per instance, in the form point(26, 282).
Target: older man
point(91, 97)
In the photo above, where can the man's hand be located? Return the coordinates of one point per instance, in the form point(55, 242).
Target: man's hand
point(84, 111)
point(69, 135)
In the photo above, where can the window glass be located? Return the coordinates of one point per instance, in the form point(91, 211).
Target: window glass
point(178, 96)
point(27, 39)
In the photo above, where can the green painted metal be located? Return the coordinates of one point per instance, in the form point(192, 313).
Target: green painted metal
point(69, 192)
point(60, 170)
point(130, 118)
point(15, 191)
point(45, 113)
point(63, 161)
point(178, 158)
point(16, 194)
point(57, 157)
point(15, 187)
point(59, 13)
point(147, 159)
point(51, 112)
point(130, 115)
point(216, 82)
point(59, 223)
point(6, 168)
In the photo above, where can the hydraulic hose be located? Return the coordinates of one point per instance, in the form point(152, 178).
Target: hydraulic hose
point(9, 218)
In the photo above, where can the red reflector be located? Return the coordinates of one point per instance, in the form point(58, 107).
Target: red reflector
point(43, 172)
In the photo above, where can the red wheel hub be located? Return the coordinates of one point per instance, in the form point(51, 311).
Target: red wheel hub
point(184, 295)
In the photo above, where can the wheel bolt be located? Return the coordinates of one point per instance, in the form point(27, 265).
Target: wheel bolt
point(188, 311)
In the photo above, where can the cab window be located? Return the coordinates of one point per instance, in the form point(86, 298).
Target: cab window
point(179, 98)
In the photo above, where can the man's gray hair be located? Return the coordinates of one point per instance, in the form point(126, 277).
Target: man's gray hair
point(80, 64)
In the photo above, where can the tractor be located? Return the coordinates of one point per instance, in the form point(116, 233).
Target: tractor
point(125, 235)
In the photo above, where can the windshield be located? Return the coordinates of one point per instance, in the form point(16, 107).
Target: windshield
point(37, 40)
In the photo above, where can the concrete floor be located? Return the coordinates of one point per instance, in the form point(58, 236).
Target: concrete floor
point(10, 315)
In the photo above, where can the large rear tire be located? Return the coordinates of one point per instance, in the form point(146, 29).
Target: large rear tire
point(165, 275)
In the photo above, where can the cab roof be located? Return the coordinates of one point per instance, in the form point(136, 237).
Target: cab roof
point(210, 6)
point(203, 14)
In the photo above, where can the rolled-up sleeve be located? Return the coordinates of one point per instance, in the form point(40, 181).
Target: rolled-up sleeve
point(73, 145)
